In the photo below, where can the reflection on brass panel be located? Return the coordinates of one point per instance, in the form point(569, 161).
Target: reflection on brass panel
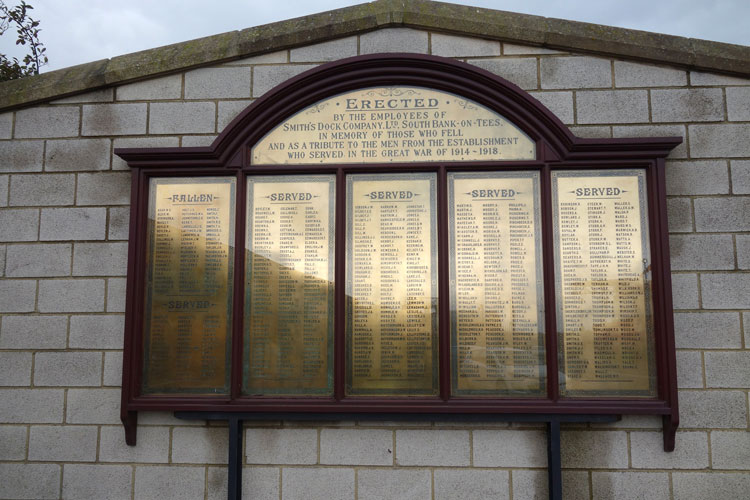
point(188, 309)
point(603, 283)
point(393, 124)
point(289, 285)
point(391, 251)
point(496, 283)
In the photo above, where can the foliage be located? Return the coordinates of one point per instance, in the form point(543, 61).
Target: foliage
point(28, 35)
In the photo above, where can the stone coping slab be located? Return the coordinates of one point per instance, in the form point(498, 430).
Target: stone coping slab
point(477, 22)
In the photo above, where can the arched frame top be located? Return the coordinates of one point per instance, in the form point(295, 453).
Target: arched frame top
point(555, 148)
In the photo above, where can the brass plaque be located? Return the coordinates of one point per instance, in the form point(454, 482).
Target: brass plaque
point(496, 283)
point(391, 333)
point(603, 283)
point(393, 124)
point(289, 285)
point(188, 308)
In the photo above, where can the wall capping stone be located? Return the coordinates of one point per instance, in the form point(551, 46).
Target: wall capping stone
point(491, 24)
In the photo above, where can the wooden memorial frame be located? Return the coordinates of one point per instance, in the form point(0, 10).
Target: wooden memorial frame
point(556, 151)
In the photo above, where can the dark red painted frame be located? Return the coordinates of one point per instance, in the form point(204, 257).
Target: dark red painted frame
point(557, 148)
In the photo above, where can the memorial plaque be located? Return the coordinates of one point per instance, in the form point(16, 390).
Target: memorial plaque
point(391, 285)
point(603, 283)
point(289, 285)
point(188, 306)
point(393, 124)
point(496, 283)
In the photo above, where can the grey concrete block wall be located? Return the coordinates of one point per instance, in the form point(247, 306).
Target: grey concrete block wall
point(64, 219)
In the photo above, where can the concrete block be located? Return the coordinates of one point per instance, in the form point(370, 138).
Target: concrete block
point(104, 189)
point(97, 331)
point(394, 40)
point(42, 190)
point(280, 56)
point(199, 445)
point(630, 485)
point(73, 224)
point(33, 332)
point(21, 156)
point(630, 74)
point(689, 370)
point(680, 215)
point(743, 251)
point(168, 87)
point(191, 141)
point(93, 406)
point(170, 483)
point(463, 46)
point(100, 259)
point(258, 483)
point(521, 71)
point(17, 296)
point(114, 119)
point(281, 446)
point(587, 449)
point(182, 117)
point(699, 78)
point(466, 483)
point(575, 72)
point(103, 95)
point(712, 410)
point(656, 131)
point(387, 484)
point(726, 291)
point(707, 330)
point(2, 259)
point(740, 176)
point(112, 369)
point(29, 481)
point(702, 485)
point(746, 324)
point(228, 111)
point(632, 422)
point(103, 482)
point(560, 103)
point(82, 295)
point(592, 132)
point(38, 260)
point(152, 445)
point(77, 155)
point(356, 447)
point(140, 142)
point(68, 369)
point(692, 252)
point(166, 418)
point(306, 483)
point(42, 122)
point(512, 49)
point(118, 223)
point(432, 447)
point(722, 214)
point(647, 451)
point(612, 106)
point(267, 77)
point(6, 125)
point(509, 448)
point(738, 104)
point(532, 484)
point(63, 443)
point(4, 182)
point(217, 83)
point(687, 105)
point(31, 406)
point(15, 369)
point(697, 177)
point(325, 51)
point(721, 140)
point(14, 439)
point(730, 450)
point(20, 224)
point(116, 294)
point(728, 369)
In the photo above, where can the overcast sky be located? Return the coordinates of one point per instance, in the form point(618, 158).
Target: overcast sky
point(79, 31)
